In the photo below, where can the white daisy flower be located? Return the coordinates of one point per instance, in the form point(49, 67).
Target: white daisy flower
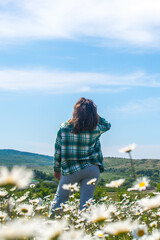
point(132, 189)
point(24, 209)
point(79, 226)
point(52, 230)
point(3, 192)
point(32, 185)
point(19, 229)
point(127, 149)
point(67, 216)
point(92, 181)
point(119, 227)
point(75, 235)
point(141, 183)
point(116, 183)
point(3, 216)
point(18, 176)
point(98, 214)
point(140, 231)
point(80, 220)
point(13, 189)
point(156, 193)
point(112, 209)
point(38, 208)
point(158, 213)
point(11, 203)
point(71, 187)
point(155, 235)
point(99, 234)
point(149, 203)
point(103, 199)
point(36, 201)
point(89, 203)
point(153, 224)
point(22, 198)
point(47, 197)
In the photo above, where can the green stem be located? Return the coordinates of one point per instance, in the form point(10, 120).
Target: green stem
point(132, 165)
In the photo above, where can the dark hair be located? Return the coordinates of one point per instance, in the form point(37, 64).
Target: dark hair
point(85, 117)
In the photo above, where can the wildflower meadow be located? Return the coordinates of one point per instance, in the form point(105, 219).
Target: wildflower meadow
point(136, 215)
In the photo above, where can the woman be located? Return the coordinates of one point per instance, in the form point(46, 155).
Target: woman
point(78, 152)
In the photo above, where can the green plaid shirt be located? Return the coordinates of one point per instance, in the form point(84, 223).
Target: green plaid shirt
point(74, 152)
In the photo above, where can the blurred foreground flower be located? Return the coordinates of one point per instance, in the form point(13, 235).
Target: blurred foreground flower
point(149, 203)
point(116, 183)
point(98, 214)
point(119, 227)
point(52, 230)
point(128, 150)
point(18, 176)
point(20, 229)
point(155, 235)
point(75, 235)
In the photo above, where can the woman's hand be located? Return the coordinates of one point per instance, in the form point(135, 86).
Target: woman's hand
point(57, 175)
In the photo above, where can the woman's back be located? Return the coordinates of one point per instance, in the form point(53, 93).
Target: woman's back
point(75, 147)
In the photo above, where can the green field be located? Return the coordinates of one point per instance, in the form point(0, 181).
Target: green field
point(32, 203)
point(115, 168)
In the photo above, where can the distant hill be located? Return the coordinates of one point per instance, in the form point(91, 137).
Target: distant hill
point(121, 167)
point(10, 157)
point(114, 167)
point(112, 163)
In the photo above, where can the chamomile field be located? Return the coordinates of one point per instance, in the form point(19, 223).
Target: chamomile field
point(131, 214)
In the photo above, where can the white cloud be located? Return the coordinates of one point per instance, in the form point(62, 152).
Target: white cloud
point(141, 106)
point(133, 21)
point(71, 82)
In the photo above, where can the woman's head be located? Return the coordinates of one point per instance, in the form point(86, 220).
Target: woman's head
point(85, 116)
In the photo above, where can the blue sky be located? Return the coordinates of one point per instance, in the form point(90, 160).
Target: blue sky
point(54, 52)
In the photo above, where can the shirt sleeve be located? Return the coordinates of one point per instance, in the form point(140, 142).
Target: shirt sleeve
point(103, 125)
point(57, 153)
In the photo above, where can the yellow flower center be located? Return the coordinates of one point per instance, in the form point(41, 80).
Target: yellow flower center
point(140, 233)
point(99, 219)
point(10, 181)
point(128, 150)
point(142, 184)
point(24, 210)
point(55, 236)
point(119, 231)
point(100, 235)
